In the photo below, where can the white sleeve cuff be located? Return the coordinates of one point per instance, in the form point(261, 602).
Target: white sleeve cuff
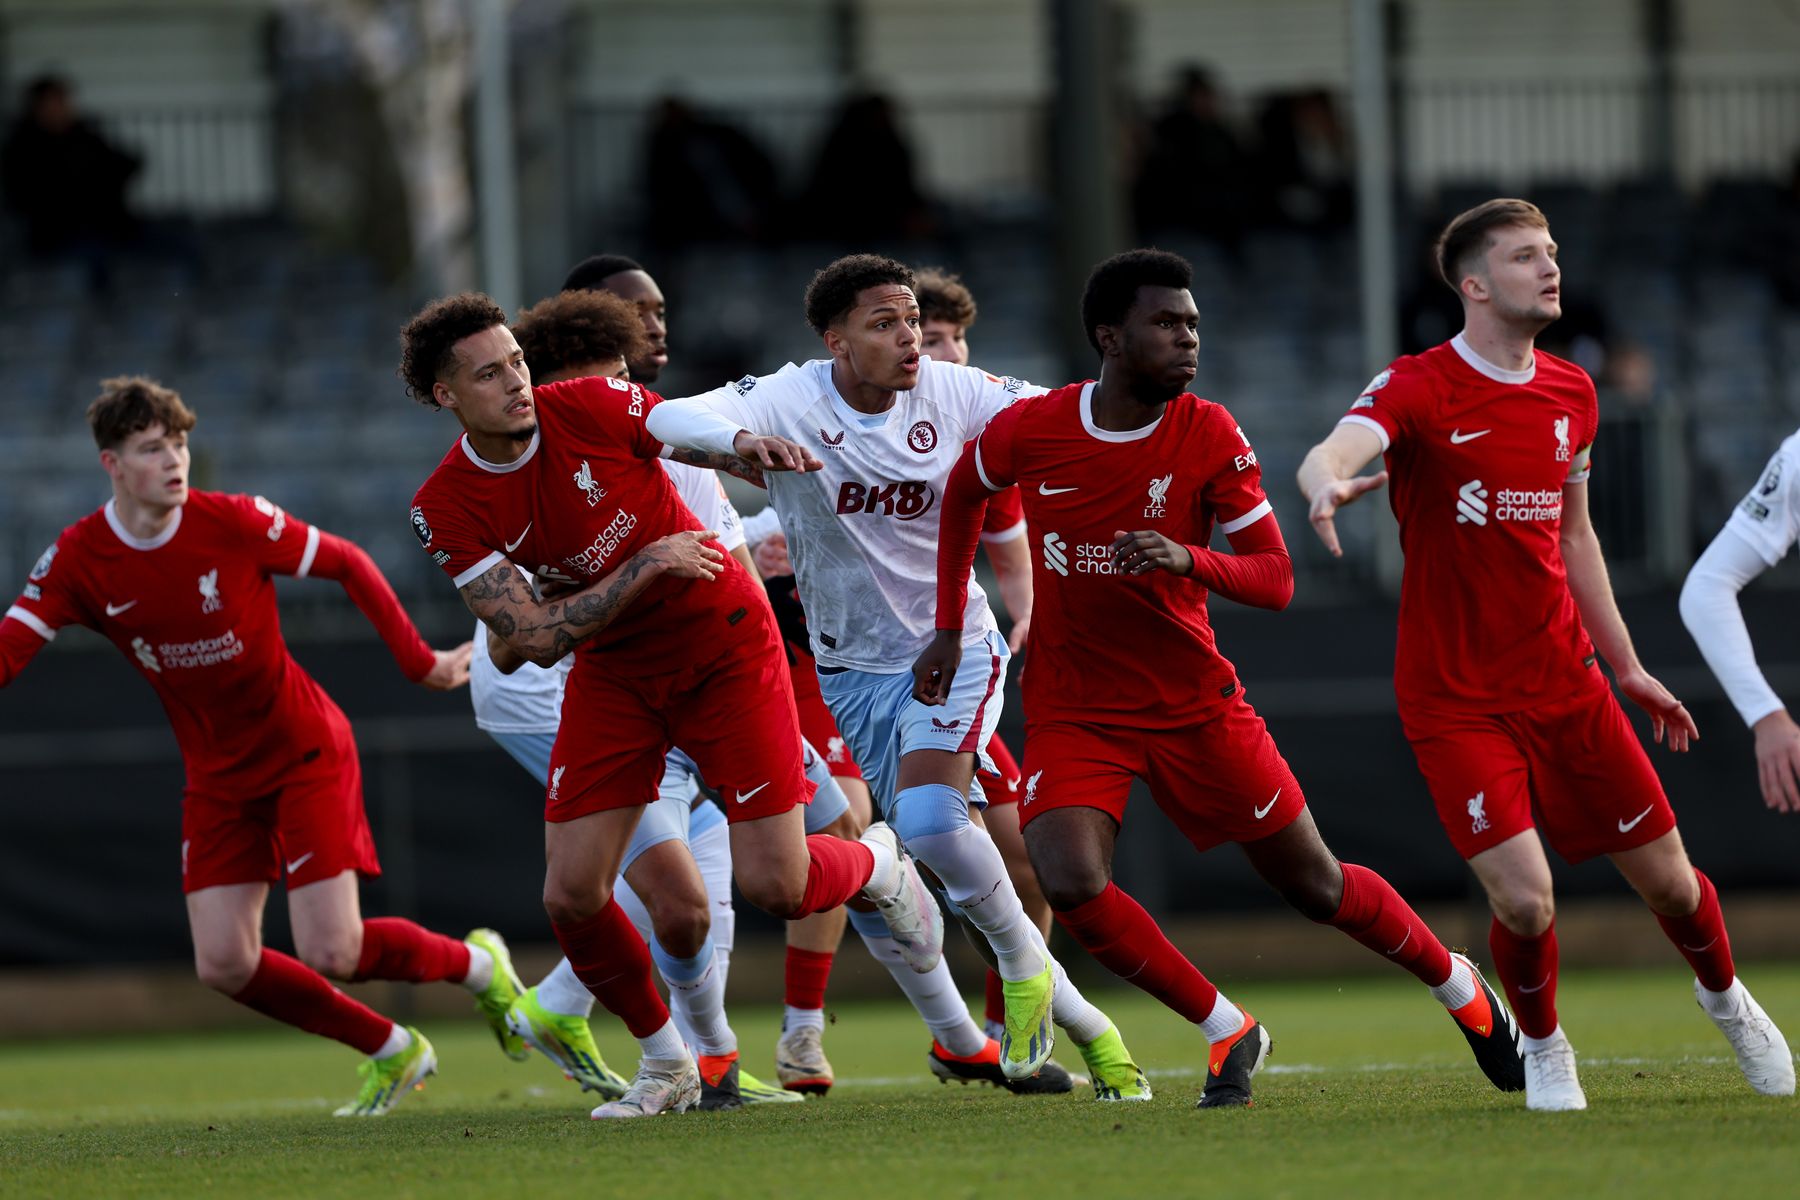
point(479, 569)
point(981, 470)
point(1012, 534)
point(312, 550)
point(33, 622)
point(694, 424)
point(1250, 518)
point(1368, 423)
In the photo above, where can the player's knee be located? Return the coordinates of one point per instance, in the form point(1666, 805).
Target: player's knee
point(1069, 885)
point(682, 929)
point(225, 972)
point(1675, 895)
point(780, 898)
point(332, 957)
point(928, 810)
point(1526, 911)
point(567, 905)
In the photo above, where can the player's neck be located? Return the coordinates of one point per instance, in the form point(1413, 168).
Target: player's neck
point(863, 397)
point(501, 449)
point(1119, 408)
point(1508, 347)
point(144, 521)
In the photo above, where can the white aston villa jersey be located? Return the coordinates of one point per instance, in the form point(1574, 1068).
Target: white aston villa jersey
point(530, 699)
point(863, 531)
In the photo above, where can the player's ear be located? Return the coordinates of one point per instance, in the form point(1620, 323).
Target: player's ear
point(1108, 337)
point(1474, 286)
point(440, 392)
point(835, 343)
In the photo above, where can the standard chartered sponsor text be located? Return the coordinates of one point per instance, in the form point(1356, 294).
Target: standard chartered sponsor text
point(206, 652)
point(1520, 504)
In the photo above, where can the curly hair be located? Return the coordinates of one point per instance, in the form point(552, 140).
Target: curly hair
point(428, 341)
point(944, 297)
point(128, 404)
point(1113, 287)
point(591, 273)
point(834, 289)
point(575, 328)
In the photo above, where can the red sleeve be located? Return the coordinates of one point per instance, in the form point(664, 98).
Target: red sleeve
point(1005, 514)
point(984, 468)
point(1257, 572)
point(618, 409)
point(1387, 404)
point(49, 601)
point(19, 642)
point(441, 523)
point(280, 544)
point(346, 562)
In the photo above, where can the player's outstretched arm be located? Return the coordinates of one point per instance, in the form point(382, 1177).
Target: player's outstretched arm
point(1592, 589)
point(544, 631)
point(1328, 478)
point(19, 644)
point(959, 532)
point(731, 464)
point(342, 560)
point(1709, 609)
point(694, 424)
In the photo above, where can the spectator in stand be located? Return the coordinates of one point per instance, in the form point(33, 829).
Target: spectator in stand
point(865, 143)
point(1307, 161)
point(64, 180)
point(708, 181)
point(1196, 173)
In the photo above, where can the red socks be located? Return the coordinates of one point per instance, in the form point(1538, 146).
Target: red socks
point(807, 973)
point(1373, 913)
point(1702, 940)
point(395, 948)
point(837, 871)
point(1115, 929)
point(995, 1011)
point(1527, 967)
point(611, 959)
point(293, 993)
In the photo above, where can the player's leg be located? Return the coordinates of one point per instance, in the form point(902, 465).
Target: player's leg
point(1003, 789)
point(326, 846)
point(812, 942)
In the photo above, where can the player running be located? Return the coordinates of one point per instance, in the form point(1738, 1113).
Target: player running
point(662, 885)
point(862, 531)
point(565, 477)
point(1488, 442)
point(181, 582)
point(1153, 698)
point(1759, 533)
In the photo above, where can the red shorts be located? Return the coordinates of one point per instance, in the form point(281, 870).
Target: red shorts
point(313, 827)
point(816, 723)
point(1220, 779)
point(1574, 769)
point(733, 715)
point(1001, 785)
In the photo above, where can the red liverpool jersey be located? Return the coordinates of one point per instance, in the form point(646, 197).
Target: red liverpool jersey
point(1477, 458)
point(1107, 647)
point(587, 494)
point(194, 610)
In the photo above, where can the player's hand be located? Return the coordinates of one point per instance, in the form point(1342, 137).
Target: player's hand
point(1667, 714)
point(1778, 761)
point(935, 670)
point(686, 555)
point(1021, 629)
point(1146, 551)
point(1333, 496)
point(774, 453)
point(451, 670)
point(771, 556)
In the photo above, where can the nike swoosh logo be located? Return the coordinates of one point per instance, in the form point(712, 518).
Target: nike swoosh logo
point(743, 796)
point(1458, 437)
point(514, 544)
point(113, 610)
point(299, 862)
point(1628, 826)
point(1698, 949)
point(1526, 991)
point(1403, 941)
point(1264, 810)
point(1045, 489)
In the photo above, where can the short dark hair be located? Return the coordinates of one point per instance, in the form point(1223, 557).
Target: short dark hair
point(1113, 286)
point(1471, 234)
point(128, 404)
point(834, 289)
point(575, 328)
point(944, 297)
point(429, 339)
point(590, 273)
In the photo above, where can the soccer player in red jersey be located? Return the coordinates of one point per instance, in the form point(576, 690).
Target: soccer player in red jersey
point(1488, 442)
point(675, 644)
point(181, 582)
point(1124, 481)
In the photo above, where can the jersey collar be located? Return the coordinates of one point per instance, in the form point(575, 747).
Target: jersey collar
point(138, 543)
point(1111, 435)
point(1482, 366)
point(502, 468)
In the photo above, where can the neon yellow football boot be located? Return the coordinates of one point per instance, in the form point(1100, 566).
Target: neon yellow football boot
point(1029, 1036)
point(386, 1081)
point(566, 1041)
point(494, 1000)
point(1115, 1076)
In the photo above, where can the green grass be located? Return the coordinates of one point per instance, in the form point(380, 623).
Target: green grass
point(1369, 1092)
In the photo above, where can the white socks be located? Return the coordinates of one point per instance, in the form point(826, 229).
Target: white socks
point(975, 881)
point(933, 994)
point(1224, 1020)
point(481, 969)
point(698, 1009)
point(802, 1018)
point(564, 994)
point(1721, 1004)
point(1072, 1011)
point(664, 1043)
point(1457, 990)
point(397, 1040)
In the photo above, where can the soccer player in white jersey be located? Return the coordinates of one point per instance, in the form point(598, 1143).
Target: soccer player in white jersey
point(662, 885)
point(1760, 532)
point(888, 424)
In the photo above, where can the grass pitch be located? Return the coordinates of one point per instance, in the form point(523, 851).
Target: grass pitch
point(1370, 1092)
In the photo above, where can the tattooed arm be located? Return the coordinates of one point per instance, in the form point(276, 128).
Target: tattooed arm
point(542, 631)
point(730, 463)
